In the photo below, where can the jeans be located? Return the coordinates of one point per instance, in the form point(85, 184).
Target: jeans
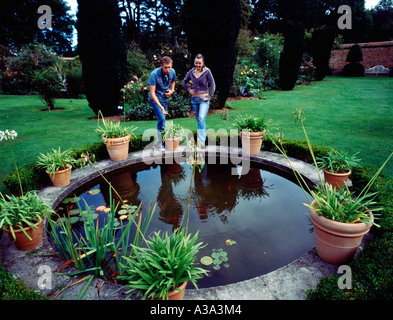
point(160, 117)
point(200, 109)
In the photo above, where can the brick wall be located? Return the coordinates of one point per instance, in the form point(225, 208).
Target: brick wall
point(374, 53)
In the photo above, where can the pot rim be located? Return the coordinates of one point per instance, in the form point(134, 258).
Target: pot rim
point(18, 230)
point(348, 172)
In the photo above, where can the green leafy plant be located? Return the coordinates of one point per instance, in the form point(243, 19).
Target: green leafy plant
point(111, 129)
point(337, 162)
point(172, 131)
point(251, 123)
point(56, 160)
point(21, 212)
point(163, 265)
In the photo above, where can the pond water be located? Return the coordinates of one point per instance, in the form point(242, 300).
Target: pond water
point(252, 224)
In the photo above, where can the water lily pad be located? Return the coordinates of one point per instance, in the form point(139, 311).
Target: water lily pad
point(215, 255)
point(216, 267)
point(93, 192)
point(224, 258)
point(101, 208)
point(226, 265)
point(107, 209)
point(206, 260)
point(230, 242)
point(122, 212)
point(74, 212)
point(74, 220)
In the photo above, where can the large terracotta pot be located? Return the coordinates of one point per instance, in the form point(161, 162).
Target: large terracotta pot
point(118, 147)
point(337, 180)
point(177, 295)
point(24, 243)
point(337, 242)
point(61, 178)
point(172, 144)
point(251, 142)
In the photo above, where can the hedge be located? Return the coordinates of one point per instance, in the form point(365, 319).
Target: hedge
point(372, 271)
point(13, 289)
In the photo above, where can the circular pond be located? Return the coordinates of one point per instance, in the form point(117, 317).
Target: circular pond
point(252, 223)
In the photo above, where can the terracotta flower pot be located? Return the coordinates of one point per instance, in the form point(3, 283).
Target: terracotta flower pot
point(24, 243)
point(251, 142)
point(177, 295)
point(172, 144)
point(337, 180)
point(118, 147)
point(61, 178)
point(337, 242)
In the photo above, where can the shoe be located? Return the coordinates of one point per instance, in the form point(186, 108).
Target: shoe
point(159, 147)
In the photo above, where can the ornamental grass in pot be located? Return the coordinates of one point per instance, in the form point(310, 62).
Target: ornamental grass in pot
point(341, 218)
point(172, 135)
point(22, 218)
point(252, 130)
point(337, 167)
point(162, 269)
point(116, 137)
point(58, 166)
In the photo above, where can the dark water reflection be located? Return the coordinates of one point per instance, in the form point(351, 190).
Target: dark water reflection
point(261, 211)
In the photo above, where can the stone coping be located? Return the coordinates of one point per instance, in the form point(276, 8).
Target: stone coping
point(289, 282)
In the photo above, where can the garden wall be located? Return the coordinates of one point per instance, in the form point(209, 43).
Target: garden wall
point(374, 53)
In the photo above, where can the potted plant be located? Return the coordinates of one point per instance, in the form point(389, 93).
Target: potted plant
point(172, 135)
point(58, 166)
point(163, 268)
point(116, 138)
point(337, 167)
point(22, 218)
point(340, 217)
point(252, 131)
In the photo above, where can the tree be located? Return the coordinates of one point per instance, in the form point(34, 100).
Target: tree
point(322, 44)
point(291, 56)
point(102, 53)
point(19, 24)
point(382, 14)
point(212, 27)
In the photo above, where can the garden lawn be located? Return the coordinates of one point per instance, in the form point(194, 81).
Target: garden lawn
point(350, 114)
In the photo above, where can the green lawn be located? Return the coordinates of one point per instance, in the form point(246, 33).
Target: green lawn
point(351, 114)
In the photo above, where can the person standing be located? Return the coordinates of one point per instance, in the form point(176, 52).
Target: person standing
point(203, 87)
point(161, 86)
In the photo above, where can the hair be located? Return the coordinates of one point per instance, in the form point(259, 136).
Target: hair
point(166, 60)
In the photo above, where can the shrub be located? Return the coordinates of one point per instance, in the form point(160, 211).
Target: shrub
point(12, 289)
point(322, 44)
point(74, 78)
point(47, 83)
point(267, 56)
point(21, 67)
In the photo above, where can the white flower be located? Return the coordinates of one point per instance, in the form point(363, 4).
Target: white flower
point(8, 135)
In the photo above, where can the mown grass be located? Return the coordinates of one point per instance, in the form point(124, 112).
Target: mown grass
point(350, 114)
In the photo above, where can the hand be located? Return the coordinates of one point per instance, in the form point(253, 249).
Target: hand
point(168, 93)
point(205, 99)
point(192, 92)
point(164, 111)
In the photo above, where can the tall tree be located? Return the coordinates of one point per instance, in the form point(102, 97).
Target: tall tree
point(212, 27)
point(382, 29)
point(19, 24)
point(291, 56)
point(102, 53)
point(322, 44)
